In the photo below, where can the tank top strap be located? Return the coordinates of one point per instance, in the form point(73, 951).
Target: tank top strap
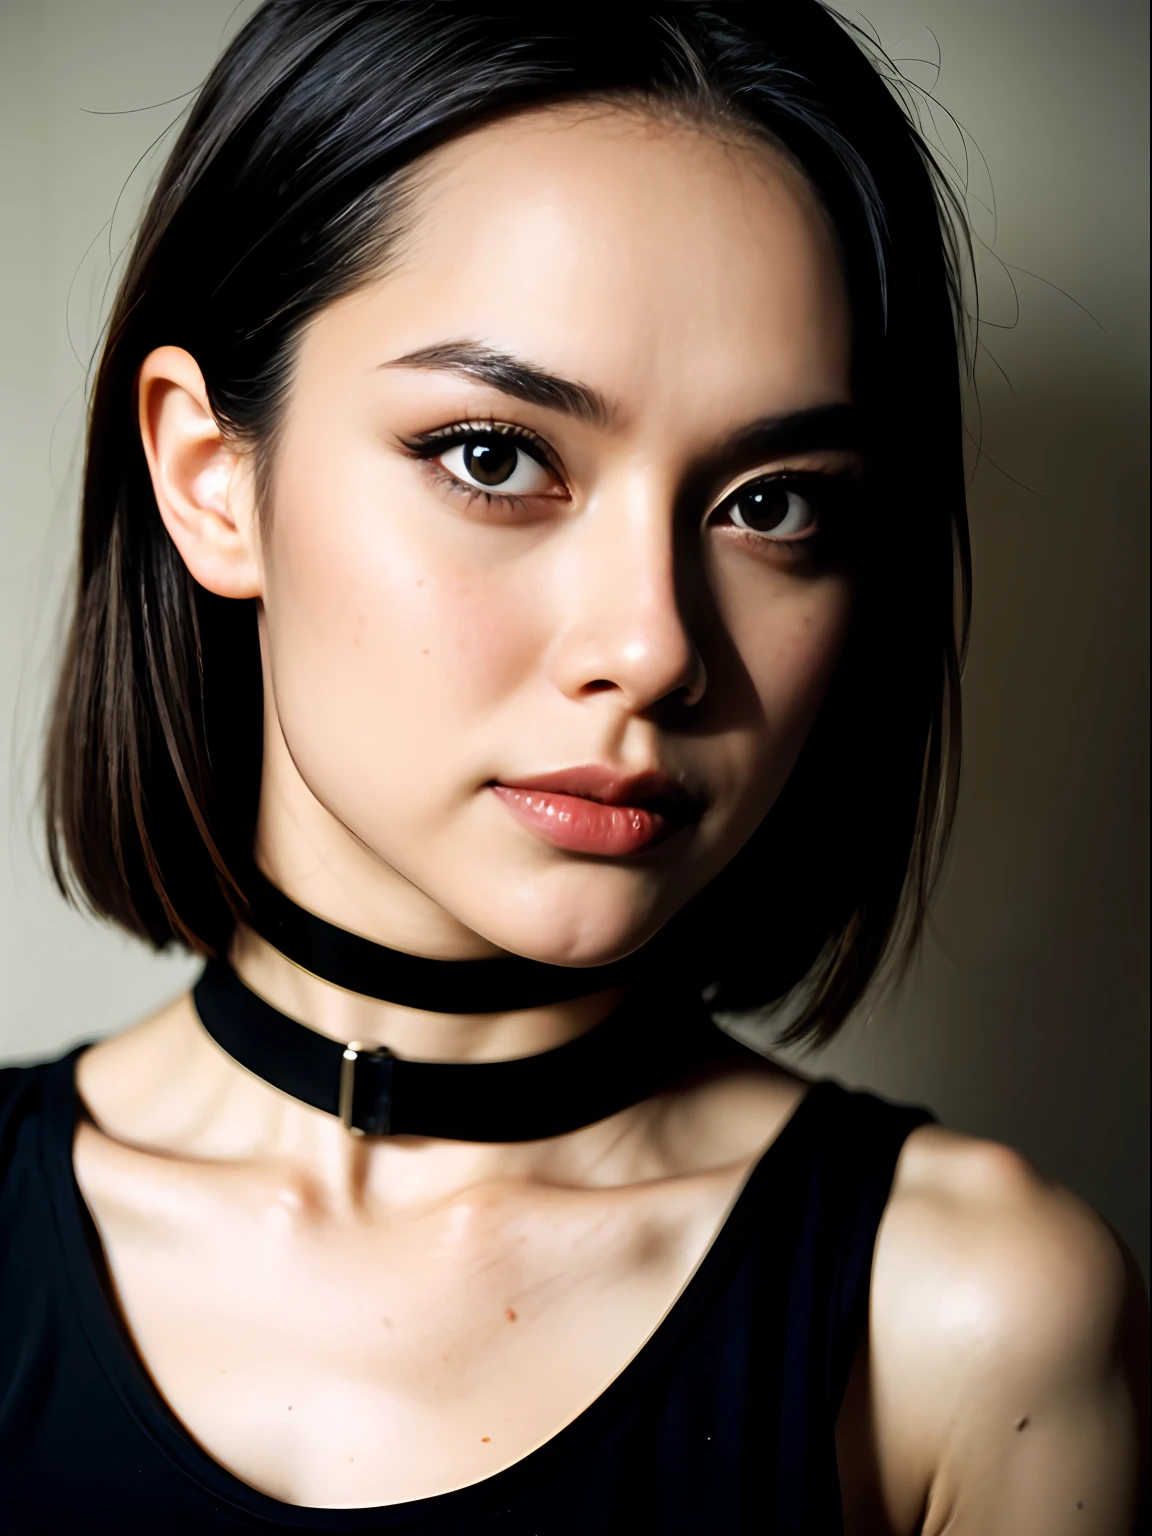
point(819, 1223)
point(863, 1138)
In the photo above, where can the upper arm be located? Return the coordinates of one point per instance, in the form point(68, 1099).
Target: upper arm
point(1008, 1349)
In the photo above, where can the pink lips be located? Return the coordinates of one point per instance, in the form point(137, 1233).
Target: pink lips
point(594, 810)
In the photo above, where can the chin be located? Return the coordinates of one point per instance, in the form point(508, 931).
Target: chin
point(588, 932)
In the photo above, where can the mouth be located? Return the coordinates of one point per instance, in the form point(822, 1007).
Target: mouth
point(596, 810)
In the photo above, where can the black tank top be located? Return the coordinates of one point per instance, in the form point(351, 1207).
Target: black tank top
point(722, 1422)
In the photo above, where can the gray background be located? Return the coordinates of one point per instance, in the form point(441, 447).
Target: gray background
point(1026, 1019)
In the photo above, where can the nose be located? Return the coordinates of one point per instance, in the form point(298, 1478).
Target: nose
point(622, 626)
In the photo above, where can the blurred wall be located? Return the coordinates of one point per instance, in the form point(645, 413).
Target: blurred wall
point(1027, 1017)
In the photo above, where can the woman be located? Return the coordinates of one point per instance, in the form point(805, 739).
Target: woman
point(522, 517)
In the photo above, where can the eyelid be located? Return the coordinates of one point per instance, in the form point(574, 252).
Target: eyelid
point(430, 444)
point(825, 479)
point(429, 447)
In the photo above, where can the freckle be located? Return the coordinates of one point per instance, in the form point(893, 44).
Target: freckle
point(420, 583)
point(485, 1439)
point(1079, 1505)
point(1022, 1423)
point(510, 1314)
point(425, 653)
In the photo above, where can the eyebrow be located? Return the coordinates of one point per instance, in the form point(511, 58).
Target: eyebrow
point(511, 376)
point(834, 427)
point(825, 428)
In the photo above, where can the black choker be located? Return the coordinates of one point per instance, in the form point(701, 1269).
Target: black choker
point(646, 1042)
point(414, 981)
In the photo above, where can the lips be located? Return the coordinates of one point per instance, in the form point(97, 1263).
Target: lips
point(595, 810)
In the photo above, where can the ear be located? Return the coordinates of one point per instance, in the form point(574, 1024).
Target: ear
point(204, 484)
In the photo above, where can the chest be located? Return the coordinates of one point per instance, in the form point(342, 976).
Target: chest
point(357, 1362)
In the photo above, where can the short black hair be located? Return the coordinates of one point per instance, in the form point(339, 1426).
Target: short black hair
point(281, 195)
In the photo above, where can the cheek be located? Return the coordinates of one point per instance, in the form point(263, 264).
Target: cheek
point(380, 620)
point(789, 643)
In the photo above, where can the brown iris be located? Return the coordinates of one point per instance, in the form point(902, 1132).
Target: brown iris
point(764, 507)
point(490, 463)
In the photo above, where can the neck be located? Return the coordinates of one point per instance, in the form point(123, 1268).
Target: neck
point(412, 1032)
point(238, 1116)
point(236, 1099)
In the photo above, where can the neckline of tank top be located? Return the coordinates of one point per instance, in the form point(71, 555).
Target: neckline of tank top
point(109, 1338)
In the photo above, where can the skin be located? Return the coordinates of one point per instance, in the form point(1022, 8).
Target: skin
point(344, 1322)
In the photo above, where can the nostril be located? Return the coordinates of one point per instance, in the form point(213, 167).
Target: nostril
point(598, 685)
point(692, 691)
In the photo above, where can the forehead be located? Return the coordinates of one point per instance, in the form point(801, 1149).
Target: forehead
point(669, 267)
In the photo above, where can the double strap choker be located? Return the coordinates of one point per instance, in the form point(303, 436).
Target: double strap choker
point(650, 1039)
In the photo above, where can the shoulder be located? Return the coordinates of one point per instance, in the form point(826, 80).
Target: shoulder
point(34, 1104)
point(31, 1091)
point(21, 1098)
point(980, 1214)
point(1005, 1339)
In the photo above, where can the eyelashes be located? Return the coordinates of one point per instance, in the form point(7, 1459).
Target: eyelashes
point(811, 515)
point(491, 461)
point(802, 515)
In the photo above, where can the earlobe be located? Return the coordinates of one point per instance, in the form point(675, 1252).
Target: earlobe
point(202, 482)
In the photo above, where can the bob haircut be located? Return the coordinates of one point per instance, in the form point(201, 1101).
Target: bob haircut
point(284, 192)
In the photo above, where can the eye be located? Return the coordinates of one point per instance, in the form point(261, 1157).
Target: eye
point(783, 507)
point(491, 461)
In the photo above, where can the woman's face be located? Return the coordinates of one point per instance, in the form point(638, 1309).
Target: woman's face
point(532, 541)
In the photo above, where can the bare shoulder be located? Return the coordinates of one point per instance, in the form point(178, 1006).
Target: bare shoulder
point(1006, 1348)
point(980, 1211)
